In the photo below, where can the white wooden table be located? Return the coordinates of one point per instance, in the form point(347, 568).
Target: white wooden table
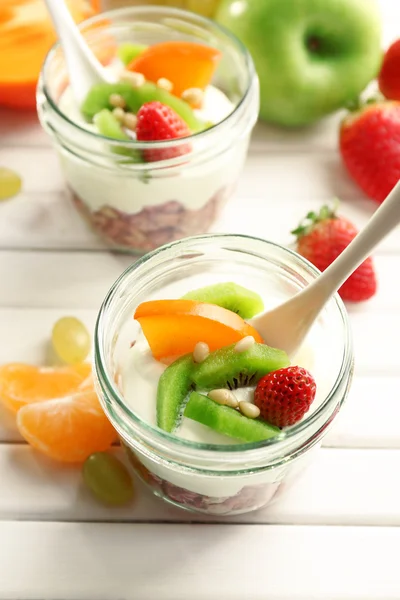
point(334, 537)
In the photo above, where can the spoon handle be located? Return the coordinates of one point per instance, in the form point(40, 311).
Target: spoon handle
point(84, 69)
point(386, 218)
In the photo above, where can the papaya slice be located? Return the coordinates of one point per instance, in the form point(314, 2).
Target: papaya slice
point(185, 64)
point(173, 327)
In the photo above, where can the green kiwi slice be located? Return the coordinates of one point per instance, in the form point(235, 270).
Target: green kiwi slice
point(229, 295)
point(230, 369)
point(174, 385)
point(98, 98)
point(227, 420)
point(110, 127)
point(127, 51)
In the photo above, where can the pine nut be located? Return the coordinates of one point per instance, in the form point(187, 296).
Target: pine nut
point(249, 410)
point(117, 101)
point(119, 114)
point(244, 344)
point(135, 79)
point(194, 96)
point(165, 84)
point(224, 397)
point(200, 352)
point(130, 121)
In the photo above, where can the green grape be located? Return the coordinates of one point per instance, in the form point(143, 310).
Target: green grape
point(10, 183)
point(108, 479)
point(71, 340)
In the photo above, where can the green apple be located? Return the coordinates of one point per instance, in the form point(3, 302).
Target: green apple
point(312, 56)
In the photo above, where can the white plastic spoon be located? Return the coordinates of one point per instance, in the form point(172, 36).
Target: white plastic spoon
point(287, 325)
point(83, 67)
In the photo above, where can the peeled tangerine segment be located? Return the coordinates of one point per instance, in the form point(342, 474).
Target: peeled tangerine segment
point(232, 296)
point(173, 387)
point(98, 98)
point(22, 384)
point(185, 64)
point(174, 327)
point(226, 368)
point(228, 420)
point(67, 429)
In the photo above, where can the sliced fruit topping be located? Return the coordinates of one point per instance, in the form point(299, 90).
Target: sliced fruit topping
point(227, 420)
point(67, 429)
point(227, 368)
point(185, 64)
point(127, 52)
point(99, 95)
point(71, 340)
point(156, 122)
point(108, 479)
point(173, 387)
point(284, 396)
point(229, 295)
point(109, 126)
point(22, 384)
point(174, 327)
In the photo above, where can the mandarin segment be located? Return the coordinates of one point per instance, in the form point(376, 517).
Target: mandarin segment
point(67, 429)
point(22, 384)
point(186, 64)
point(174, 327)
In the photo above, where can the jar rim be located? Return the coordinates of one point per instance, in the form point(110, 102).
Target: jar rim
point(108, 386)
point(169, 11)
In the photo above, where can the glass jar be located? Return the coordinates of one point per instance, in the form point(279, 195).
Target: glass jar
point(213, 478)
point(139, 206)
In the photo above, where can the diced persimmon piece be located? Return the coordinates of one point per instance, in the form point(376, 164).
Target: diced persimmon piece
point(26, 35)
point(22, 384)
point(67, 429)
point(173, 327)
point(185, 64)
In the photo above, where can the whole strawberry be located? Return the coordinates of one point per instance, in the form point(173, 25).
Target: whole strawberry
point(389, 76)
point(284, 396)
point(370, 147)
point(321, 237)
point(157, 122)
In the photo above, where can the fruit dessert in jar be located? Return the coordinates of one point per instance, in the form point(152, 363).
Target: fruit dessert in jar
point(153, 156)
point(213, 419)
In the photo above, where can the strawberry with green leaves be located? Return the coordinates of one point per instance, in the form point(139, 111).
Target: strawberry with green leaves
point(370, 147)
point(321, 237)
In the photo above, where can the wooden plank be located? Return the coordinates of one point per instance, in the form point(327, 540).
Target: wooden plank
point(81, 279)
point(338, 488)
point(55, 561)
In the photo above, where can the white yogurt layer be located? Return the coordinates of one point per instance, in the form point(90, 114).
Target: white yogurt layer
point(193, 185)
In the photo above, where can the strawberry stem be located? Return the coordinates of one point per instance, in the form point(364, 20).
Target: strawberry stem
point(313, 218)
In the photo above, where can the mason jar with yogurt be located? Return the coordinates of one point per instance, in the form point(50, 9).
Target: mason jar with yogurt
point(139, 206)
point(197, 468)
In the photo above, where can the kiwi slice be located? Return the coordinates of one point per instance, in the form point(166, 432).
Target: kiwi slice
point(127, 52)
point(174, 385)
point(110, 127)
point(227, 420)
point(230, 369)
point(98, 98)
point(229, 295)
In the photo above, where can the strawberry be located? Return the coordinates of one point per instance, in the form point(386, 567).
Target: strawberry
point(389, 76)
point(157, 122)
point(284, 396)
point(321, 238)
point(370, 147)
